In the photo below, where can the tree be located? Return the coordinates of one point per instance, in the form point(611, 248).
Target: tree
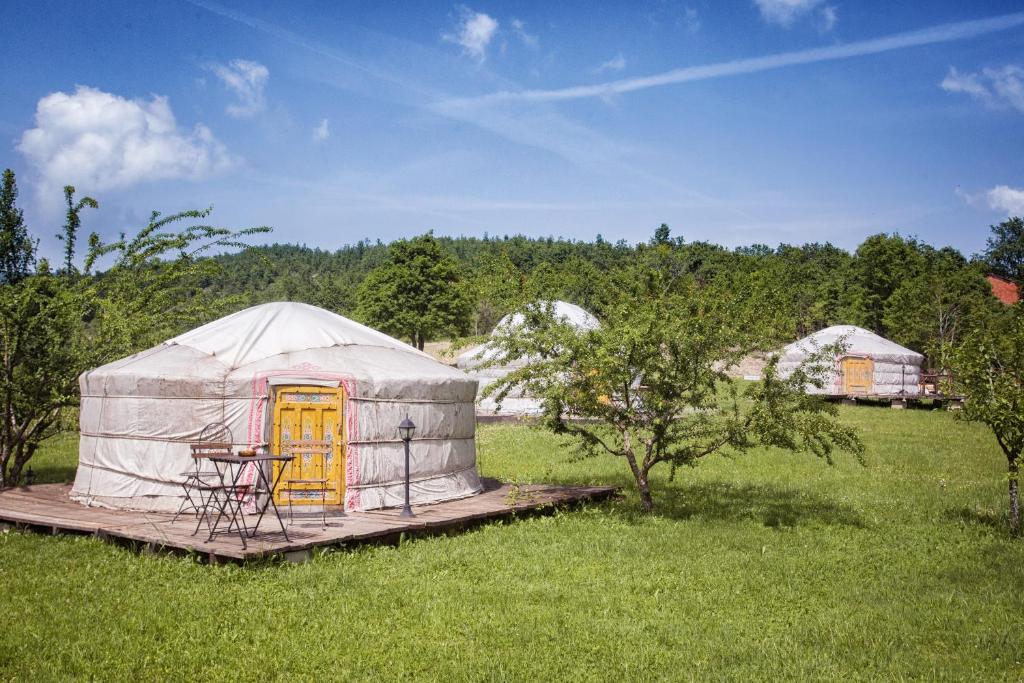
point(72, 223)
point(17, 251)
point(1004, 249)
point(43, 352)
point(662, 235)
point(418, 293)
point(651, 388)
point(880, 265)
point(930, 310)
point(53, 328)
point(988, 371)
point(151, 287)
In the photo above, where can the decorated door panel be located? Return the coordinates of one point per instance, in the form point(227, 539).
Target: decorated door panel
point(858, 375)
point(308, 425)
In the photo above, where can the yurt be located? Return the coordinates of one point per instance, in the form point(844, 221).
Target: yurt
point(870, 365)
point(516, 404)
point(276, 375)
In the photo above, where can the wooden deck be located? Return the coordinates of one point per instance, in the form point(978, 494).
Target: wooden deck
point(47, 507)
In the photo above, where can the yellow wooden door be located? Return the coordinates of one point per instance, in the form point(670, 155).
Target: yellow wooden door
point(309, 425)
point(858, 375)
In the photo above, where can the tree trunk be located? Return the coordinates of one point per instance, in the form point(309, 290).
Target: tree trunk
point(1014, 498)
point(14, 477)
point(420, 342)
point(5, 458)
point(646, 502)
point(642, 483)
point(21, 458)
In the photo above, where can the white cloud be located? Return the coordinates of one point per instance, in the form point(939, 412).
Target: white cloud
point(691, 20)
point(528, 39)
point(995, 88)
point(98, 141)
point(897, 41)
point(322, 131)
point(246, 81)
point(785, 12)
point(1007, 199)
point(616, 63)
point(474, 33)
point(970, 84)
point(828, 17)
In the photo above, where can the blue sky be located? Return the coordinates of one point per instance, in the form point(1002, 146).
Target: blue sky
point(752, 121)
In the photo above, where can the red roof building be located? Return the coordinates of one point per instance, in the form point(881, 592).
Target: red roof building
point(1005, 290)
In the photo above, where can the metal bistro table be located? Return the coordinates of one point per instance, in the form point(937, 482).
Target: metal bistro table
point(234, 493)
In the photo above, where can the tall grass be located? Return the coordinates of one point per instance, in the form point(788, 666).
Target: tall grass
point(768, 565)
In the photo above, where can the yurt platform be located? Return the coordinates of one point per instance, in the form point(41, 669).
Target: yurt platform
point(935, 401)
point(47, 508)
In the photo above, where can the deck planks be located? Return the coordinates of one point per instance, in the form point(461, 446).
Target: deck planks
point(49, 506)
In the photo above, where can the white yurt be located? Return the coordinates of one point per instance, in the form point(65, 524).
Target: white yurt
point(516, 404)
point(274, 375)
point(870, 365)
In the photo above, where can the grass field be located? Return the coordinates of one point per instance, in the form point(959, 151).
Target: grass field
point(766, 566)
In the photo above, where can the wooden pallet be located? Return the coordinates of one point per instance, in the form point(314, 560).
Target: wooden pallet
point(47, 507)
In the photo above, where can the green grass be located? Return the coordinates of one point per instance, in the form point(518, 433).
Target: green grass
point(769, 565)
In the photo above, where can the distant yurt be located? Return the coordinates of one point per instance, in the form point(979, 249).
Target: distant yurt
point(870, 365)
point(279, 375)
point(516, 404)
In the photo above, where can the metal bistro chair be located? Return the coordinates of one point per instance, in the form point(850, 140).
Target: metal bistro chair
point(203, 485)
point(297, 449)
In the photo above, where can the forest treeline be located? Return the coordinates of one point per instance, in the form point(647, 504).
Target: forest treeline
point(898, 286)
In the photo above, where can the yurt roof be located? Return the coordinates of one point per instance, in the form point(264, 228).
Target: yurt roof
point(274, 338)
point(564, 311)
point(280, 327)
point(858, 341)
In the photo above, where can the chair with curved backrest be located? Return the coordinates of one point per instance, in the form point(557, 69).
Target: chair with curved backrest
point(203, 483)
point(308, 486)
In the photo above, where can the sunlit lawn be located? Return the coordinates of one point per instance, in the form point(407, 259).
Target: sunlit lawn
point(764, 566)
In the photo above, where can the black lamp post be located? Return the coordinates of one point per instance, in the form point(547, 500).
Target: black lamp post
point(406, 429)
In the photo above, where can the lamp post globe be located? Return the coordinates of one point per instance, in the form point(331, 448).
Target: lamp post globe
point(406, 428)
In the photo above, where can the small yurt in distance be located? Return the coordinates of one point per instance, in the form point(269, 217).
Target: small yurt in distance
point(516, 403)
point(276, 374)
point(871, 365)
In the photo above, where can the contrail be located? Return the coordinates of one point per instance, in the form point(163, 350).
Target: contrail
point(313, 46)
point(898, 41)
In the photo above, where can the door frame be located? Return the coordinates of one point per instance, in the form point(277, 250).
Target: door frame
point(339, 437)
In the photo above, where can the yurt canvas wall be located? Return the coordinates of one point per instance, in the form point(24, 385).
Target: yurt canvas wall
point(870, 364)
point(139, 414)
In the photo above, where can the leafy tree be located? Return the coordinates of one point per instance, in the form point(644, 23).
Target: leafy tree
point(17, 251)
point(815, 279)
point(498, 287)
point(72, 223)
point(53, 328)
point(43, 352)
point(419, 293)
point(651, 388)
point(151, 288)
point(880, 265)
point(662, 234)
point(988, 370)
point(933, 308)
point(329, 294)
point(577, 281)
point(1004, 250)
